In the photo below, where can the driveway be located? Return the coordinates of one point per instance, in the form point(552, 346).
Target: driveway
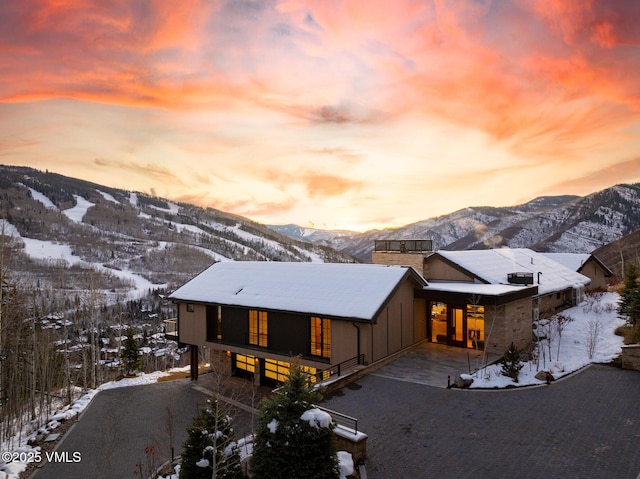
point(119, 424)
point(434, 364)
point(584, 426)
point(587, 425)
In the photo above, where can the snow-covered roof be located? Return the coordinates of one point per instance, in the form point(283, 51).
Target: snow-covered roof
point(473, 288)
point(355, 291)
point(573, 261)
point(493, 266)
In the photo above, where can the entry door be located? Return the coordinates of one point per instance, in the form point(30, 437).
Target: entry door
point(457, 328)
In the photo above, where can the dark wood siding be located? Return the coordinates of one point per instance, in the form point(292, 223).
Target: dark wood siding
point(289, 333)
point(212, 317)
point(235, 325)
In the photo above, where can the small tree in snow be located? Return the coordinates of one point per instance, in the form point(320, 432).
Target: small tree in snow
point(130, 354)
point(511, 363)
point(210, 450)
point(294, 439)
point(560, 322)
point(592, 336)
point(629, 305)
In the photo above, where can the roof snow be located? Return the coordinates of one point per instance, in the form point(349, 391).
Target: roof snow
point(340, 290)
point(573, 261)
point(493, 266)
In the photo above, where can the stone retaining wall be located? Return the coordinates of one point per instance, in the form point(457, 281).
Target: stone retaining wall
point(631, 357)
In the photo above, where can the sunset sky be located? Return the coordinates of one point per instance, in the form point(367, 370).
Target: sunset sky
point(334, 114)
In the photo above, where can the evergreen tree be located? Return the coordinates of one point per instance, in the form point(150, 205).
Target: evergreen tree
point(511, 363)
point(210, 450)
point(294, 439)
point(130, 355)
point(629, 305)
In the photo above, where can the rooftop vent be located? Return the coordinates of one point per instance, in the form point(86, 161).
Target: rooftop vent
point(520, 278)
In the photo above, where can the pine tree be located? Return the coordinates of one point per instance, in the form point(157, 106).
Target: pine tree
point(294, 439)
point(629, 305)
point(511, 363)
point(130, 355)
point(210, 450)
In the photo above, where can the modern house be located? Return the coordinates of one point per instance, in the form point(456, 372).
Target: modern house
point(261, 314)
point(586, 264)
point(485, 299)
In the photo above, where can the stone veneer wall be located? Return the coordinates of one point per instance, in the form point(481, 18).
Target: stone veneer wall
point(631, 357)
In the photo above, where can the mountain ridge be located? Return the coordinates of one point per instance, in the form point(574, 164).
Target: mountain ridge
point(564, 223)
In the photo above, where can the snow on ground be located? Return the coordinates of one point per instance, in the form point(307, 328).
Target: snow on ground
point(42, 199)
point(79, 210)
point(49, 250)
point(108, 197)
point(173, 208)
point(573, 347)
point(8, 229)
point(133, 199)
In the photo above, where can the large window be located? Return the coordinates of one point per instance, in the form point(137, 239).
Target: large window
point(246, 363)
point(279, 371)
point(258, 326)
point(321, 337)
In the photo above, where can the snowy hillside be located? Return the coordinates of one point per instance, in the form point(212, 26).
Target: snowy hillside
point(130, 242)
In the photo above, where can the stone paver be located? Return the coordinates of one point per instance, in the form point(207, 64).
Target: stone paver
point(585, 426)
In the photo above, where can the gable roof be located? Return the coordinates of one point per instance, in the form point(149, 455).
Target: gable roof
point(493, 265)
point(576, 261)
point(355, 291)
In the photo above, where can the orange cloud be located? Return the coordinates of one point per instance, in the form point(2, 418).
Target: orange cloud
point(323, 185)
point(620, 172)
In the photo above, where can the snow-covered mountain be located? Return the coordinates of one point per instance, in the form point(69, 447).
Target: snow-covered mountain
point(551, 223)
point(129, 241)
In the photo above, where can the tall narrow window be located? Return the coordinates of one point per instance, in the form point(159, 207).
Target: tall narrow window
point(258, 326)
point(320, 337)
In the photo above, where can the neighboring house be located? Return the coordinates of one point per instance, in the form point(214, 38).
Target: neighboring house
point(485, 299)
point(586, 264)
point(264, 313)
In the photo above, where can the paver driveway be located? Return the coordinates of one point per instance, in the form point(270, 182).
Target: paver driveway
point(584, 426)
